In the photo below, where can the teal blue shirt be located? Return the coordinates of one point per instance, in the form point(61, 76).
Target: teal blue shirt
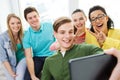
point(19, 53)
point(40, 40)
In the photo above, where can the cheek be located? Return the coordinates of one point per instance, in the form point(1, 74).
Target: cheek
point(11, 26)
point(92, 23)
point(75, 23)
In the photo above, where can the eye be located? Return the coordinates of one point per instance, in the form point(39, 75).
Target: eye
point(30, 18)
point(71, 31)
point(61, 32)
point(35, 16)
point(93, 19)
point(18, 22)
point(101, 16)
point(75, 20)
point(81, 18)
point(12, 23)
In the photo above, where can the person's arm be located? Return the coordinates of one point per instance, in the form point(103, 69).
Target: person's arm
point(110, 42)
point(116, 71)
point(30, 63)
point(54, 46)
point(4, 57)
point(46, 74)
point(9, 69)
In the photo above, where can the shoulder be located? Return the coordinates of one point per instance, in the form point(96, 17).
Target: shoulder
point(4, 35)
point(46, 24)
point(53, 57)
point(114, 30)
point(85, 46)
point(4, 38)
point(27, 32)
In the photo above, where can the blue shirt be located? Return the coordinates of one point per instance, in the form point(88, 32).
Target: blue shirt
point(40, 40)
point(6, 51)
point(20, 52)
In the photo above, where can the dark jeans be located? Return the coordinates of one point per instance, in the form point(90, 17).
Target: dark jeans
point(38, 65)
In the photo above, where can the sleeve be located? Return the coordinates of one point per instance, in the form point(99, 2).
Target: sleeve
point(26, 40)
point(3, 53)
point(111, 43)
point(45, 72)
point(54, 46)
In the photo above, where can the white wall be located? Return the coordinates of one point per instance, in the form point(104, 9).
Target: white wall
point(112, 8)
point(58, 9)
point(6, 7)
point(4, 11)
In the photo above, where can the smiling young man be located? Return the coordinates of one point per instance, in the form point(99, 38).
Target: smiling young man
point(36, 43)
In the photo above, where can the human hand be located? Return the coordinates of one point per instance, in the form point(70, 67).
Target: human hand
point(35, 78)
point(99, 35)
point(13, 75)
point(55, 46)
point(116, 71)
point(114, 52)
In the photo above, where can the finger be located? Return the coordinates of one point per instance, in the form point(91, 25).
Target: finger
point(96, 31)
point(102, 35)
point(94, 34)
point(77, 32)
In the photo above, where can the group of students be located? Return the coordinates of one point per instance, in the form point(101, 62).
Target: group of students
point(25, 54)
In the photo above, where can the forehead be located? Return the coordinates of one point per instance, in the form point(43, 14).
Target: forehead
point(13, 19)
point(66, 27)
point(31, 14)
point(78, 14)
point(96, 13)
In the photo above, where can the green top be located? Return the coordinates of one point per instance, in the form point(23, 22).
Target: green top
point(57, 66)
point(19, 53)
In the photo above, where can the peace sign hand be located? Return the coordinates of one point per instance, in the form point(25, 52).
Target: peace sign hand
point(100, 36)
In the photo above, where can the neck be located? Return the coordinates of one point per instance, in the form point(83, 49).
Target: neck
point(36, 28)
point(15, 35)
point(106, 32)
point(65, 49)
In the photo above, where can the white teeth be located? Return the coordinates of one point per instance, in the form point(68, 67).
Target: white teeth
point(66, 41)
point(99, 25)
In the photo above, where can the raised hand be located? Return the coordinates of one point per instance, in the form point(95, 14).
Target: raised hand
point(100, 36)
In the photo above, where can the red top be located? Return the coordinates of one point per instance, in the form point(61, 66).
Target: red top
point(80, 39)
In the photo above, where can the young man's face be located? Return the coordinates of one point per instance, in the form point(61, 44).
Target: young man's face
point(33, 20)
point(65, 35)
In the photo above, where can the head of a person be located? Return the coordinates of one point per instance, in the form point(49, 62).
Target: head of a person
point(64, 32)
point(99, 19)
point(32, 17)
point(14, 25)
point(79, 19)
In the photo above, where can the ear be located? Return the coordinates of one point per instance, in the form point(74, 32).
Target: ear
point(107, 18)
point(55, 33)
point(85, 18)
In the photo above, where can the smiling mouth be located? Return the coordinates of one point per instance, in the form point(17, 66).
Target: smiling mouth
point(99, 26)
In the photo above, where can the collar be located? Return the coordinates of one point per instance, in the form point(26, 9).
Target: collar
point(40, 29)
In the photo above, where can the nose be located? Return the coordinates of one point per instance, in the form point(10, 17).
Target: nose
point(67, 35)
point(97, 19)
point(16, 24)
